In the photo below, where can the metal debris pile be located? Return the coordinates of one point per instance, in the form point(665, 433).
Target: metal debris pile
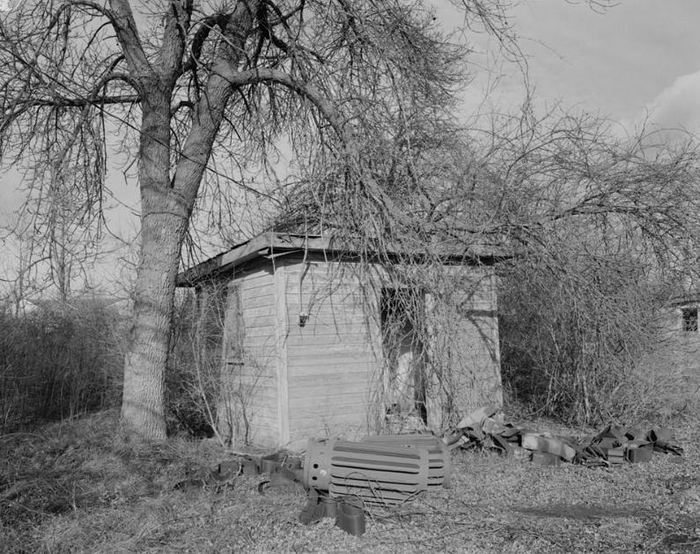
point(484, 429)
point(344, 479)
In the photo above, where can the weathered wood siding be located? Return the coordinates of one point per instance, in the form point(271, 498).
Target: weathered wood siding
point(250, 380)
point(285, 382)
point(332, 359)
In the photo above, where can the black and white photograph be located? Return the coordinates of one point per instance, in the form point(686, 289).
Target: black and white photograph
point(348, 276)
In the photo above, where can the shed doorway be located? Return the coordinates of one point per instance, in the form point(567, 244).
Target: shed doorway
point(402, 311)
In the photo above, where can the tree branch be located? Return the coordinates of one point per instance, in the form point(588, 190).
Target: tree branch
point(63, 102)
point(265, 75)
point(174, 38)
point(128, 36)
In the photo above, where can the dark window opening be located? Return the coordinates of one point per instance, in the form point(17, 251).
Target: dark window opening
point(690, 320)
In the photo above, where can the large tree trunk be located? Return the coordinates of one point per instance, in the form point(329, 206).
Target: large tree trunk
point(164, 219)
point(149, 340)
point(166, 206)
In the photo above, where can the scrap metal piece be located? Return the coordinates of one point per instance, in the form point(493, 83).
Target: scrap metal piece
point(250, 466)
point(375, 473)
point(607, 442)
point(510, 433)
point(439, 466)
point(637, 453)
point(666, 447)
point(502, 445)
point(548, 444)
point(475, 418)
point(269, 463)
point(636, 433)
point(350, 516)
point(318, 506)
point(281, 478)
point(615, 455)
point(660, 434)
point(545, 459)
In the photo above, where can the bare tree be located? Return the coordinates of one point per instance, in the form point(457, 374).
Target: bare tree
point(206, 92)
point(603, 227)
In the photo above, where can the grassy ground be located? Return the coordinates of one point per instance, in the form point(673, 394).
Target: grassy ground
point(81, 487)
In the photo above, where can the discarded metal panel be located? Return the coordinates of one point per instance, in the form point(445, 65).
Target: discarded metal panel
point(475, 418)
point(318, 506)
point(607, 442)
point(350, 516)
point(547, 444)
point(615, 455)
point(376, 473)
point(439, 466)
point(545, 459)
point(660, 434)
point(484, 429)
point(637, 453)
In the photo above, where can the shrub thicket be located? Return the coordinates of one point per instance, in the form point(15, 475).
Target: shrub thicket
point(59, 360)
point(575, 339)
point(193, 378)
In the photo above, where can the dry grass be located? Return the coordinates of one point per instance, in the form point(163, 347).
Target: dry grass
point(80, 487)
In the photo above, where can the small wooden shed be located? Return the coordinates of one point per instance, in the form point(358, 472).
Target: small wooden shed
point(304, 350)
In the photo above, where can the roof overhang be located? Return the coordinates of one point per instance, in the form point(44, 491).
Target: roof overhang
point(686, 299)
point(273, 244)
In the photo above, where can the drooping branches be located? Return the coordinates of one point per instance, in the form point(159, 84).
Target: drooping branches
point(210, 97)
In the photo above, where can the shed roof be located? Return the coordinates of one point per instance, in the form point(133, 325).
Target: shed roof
point(271, 244)
point(686, 298)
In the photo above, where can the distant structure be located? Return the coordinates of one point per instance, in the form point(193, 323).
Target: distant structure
point(682, 332)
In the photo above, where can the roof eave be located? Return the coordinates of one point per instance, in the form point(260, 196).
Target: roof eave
point(270, 243)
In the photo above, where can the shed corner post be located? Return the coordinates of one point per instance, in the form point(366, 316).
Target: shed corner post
point(281, 330)
point(434, 397)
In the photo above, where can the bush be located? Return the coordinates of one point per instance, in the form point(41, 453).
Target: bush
point(59, 360)
point(193, 376)
point(573, 341)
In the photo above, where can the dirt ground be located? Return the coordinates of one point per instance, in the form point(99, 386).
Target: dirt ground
point(81, 487)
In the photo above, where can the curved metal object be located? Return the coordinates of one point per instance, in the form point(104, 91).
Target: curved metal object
point(375, 472)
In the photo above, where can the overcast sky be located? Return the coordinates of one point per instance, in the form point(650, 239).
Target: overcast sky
point(638, 58)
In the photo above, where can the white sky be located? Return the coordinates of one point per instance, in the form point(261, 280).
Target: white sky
point(638, 58)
